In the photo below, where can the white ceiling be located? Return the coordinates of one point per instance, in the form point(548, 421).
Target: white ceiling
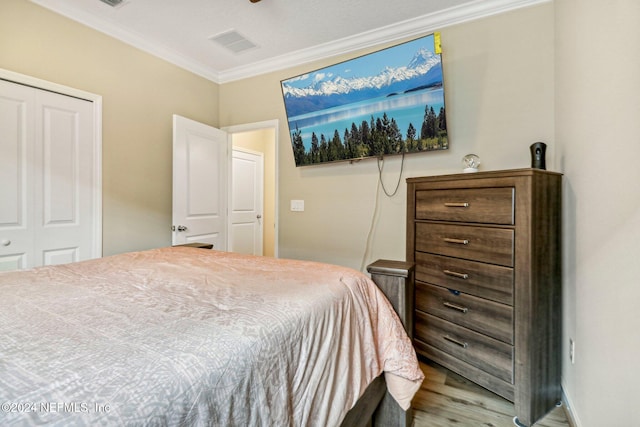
point(286, 32)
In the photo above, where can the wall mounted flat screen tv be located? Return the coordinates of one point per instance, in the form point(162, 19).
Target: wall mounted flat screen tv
point(386, 102)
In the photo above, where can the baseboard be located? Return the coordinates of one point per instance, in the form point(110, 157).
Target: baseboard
point(572, 417)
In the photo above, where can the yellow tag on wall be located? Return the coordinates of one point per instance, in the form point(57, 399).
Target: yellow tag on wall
point(436, 43)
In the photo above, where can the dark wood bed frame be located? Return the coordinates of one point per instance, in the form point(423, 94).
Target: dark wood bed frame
point(376, 407)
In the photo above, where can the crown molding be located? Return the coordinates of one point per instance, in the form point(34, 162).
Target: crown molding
point(62, 7)
point(402, 30)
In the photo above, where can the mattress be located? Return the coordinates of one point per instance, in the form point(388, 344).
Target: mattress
point(184, 336)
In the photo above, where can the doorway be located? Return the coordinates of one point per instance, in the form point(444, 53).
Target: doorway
point(262, 137)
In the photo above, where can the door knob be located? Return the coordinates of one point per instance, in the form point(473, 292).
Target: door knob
point(182, 228)
point(5, 242)
point(259, 216)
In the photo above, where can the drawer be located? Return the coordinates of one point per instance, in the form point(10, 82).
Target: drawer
point(481, 315)
point(485, 205)
point(488, 281)
point(485, 353)
point(485, 244)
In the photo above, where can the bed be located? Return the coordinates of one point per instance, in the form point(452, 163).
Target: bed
point(184, 336)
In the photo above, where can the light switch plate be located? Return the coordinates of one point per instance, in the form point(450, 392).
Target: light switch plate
point(297, 205)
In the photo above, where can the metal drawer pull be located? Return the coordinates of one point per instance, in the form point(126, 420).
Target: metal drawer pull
point(457, 205)
point(455, 341)
point(456, 274)
point(455, 307)
point(456, 241)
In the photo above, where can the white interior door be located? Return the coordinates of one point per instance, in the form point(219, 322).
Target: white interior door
point(247, 201)
point(47, 173)
point(200, 181)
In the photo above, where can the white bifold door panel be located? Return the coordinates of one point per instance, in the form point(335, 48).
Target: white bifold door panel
point(46, 178)
point(200, 181)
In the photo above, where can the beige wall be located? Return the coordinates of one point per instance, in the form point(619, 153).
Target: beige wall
point(263, 141)
point(140, 94)
point(499, 96)
point(598, 134)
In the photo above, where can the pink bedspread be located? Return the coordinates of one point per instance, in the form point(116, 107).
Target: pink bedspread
point(183, 336)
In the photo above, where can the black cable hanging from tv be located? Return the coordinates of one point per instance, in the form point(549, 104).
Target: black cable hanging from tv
point(381, 159)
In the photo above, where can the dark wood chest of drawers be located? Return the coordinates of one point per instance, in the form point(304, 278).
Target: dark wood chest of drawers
point(487, 254)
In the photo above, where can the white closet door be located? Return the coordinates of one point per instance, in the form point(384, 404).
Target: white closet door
point(47, 215)
point(17, 106)
point(64, 155)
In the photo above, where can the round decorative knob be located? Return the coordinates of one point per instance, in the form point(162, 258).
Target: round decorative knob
point(5, 242)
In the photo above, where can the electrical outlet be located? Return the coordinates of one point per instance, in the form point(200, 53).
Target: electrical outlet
point(572, 351)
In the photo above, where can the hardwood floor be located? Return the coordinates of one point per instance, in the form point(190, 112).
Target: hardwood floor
point(447, 399)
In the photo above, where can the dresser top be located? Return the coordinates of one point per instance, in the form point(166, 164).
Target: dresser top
point(484, 174)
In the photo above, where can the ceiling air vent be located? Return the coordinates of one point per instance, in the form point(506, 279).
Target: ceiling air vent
point(113, 3)
point(233, 41)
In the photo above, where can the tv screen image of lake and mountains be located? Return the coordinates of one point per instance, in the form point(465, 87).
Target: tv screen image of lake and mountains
point(387, 102)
